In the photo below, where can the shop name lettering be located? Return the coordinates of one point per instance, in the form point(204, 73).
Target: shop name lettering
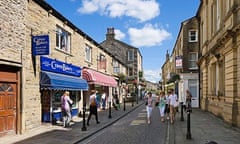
point(63, 67)
point(40, 41)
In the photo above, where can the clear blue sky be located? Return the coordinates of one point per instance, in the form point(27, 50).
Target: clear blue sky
point(150, 25)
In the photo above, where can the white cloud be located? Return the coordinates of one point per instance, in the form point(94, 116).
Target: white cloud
point(148, 36)
point(118, 34)
point(152, 75)
point(88, 7)
point(143, 10)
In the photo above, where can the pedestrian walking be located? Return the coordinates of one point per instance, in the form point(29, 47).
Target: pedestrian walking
point(93, 107)
point(116, 103)
point(161, 104)
point(173, 101)
point(66, 103)
point(103, 100)
point(98, 99)
point(167, 106)
point(149, 106)
point(188, 101)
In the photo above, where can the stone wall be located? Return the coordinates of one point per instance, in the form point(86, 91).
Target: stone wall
point(12, 30)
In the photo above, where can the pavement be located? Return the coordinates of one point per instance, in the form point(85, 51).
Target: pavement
point(204, 127)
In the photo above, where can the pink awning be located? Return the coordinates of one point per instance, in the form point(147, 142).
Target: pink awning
point(94, 77)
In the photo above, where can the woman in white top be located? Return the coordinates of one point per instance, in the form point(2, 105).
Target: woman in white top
point(149, 106)
point(173, 101)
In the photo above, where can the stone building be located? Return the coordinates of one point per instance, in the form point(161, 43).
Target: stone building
point(12, 56)
point(42, 55)
point(180, 71)
point(129, 56)
point(219, 59)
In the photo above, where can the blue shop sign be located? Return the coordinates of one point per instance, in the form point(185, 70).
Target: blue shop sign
point(40, 45)
point(53, 65)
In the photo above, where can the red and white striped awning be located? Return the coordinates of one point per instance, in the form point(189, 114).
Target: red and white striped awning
point(94, 77)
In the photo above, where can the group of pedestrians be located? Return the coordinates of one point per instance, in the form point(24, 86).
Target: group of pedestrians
point(166, 103)
point(96, 100)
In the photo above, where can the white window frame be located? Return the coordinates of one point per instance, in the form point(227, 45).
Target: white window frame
point(116, 67)
point(130, 55)
point(193, 35)
point(63, 40)
point(88, 53)
point(192, 66)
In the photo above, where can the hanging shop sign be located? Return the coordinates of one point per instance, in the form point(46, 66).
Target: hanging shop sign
point(40, 45)
point(178, 62)
point(53, 65)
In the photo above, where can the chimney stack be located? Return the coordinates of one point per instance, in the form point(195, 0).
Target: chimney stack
point(110, 34)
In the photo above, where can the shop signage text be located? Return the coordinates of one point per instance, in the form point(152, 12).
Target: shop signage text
point(53, 65)
point(40, 45)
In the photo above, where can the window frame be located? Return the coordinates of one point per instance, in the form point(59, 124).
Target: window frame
point(60, 35)
point(190, 61)
point(130, 55)
point(191, 35)
point(88, 53)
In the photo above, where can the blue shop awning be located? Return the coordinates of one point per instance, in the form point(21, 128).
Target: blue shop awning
point(55, 81)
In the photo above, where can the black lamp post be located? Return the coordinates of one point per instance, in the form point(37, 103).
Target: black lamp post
point(84, 128)
point(109, 107)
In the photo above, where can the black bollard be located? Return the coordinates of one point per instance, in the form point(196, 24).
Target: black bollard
point(109, 108)
point(84, 128)
point(137, 99)
point(182, 118)
point(124, 104)
point(188, 125)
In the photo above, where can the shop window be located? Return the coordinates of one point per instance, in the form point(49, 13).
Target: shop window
point(193, 86)
point(63, 40)
point(56, 100)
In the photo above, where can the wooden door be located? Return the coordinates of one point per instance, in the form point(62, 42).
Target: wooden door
point(7, 108)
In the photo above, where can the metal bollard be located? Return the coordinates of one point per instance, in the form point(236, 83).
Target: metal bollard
point(84, 128)
point(188, 125)
point(109, 116)
point(182, 118)
point(124, 104)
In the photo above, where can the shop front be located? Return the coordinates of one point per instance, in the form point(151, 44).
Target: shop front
point(101, 82)
point(55, 78)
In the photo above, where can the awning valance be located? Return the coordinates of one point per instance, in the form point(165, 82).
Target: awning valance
point(55, 81)
point(94, 77)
